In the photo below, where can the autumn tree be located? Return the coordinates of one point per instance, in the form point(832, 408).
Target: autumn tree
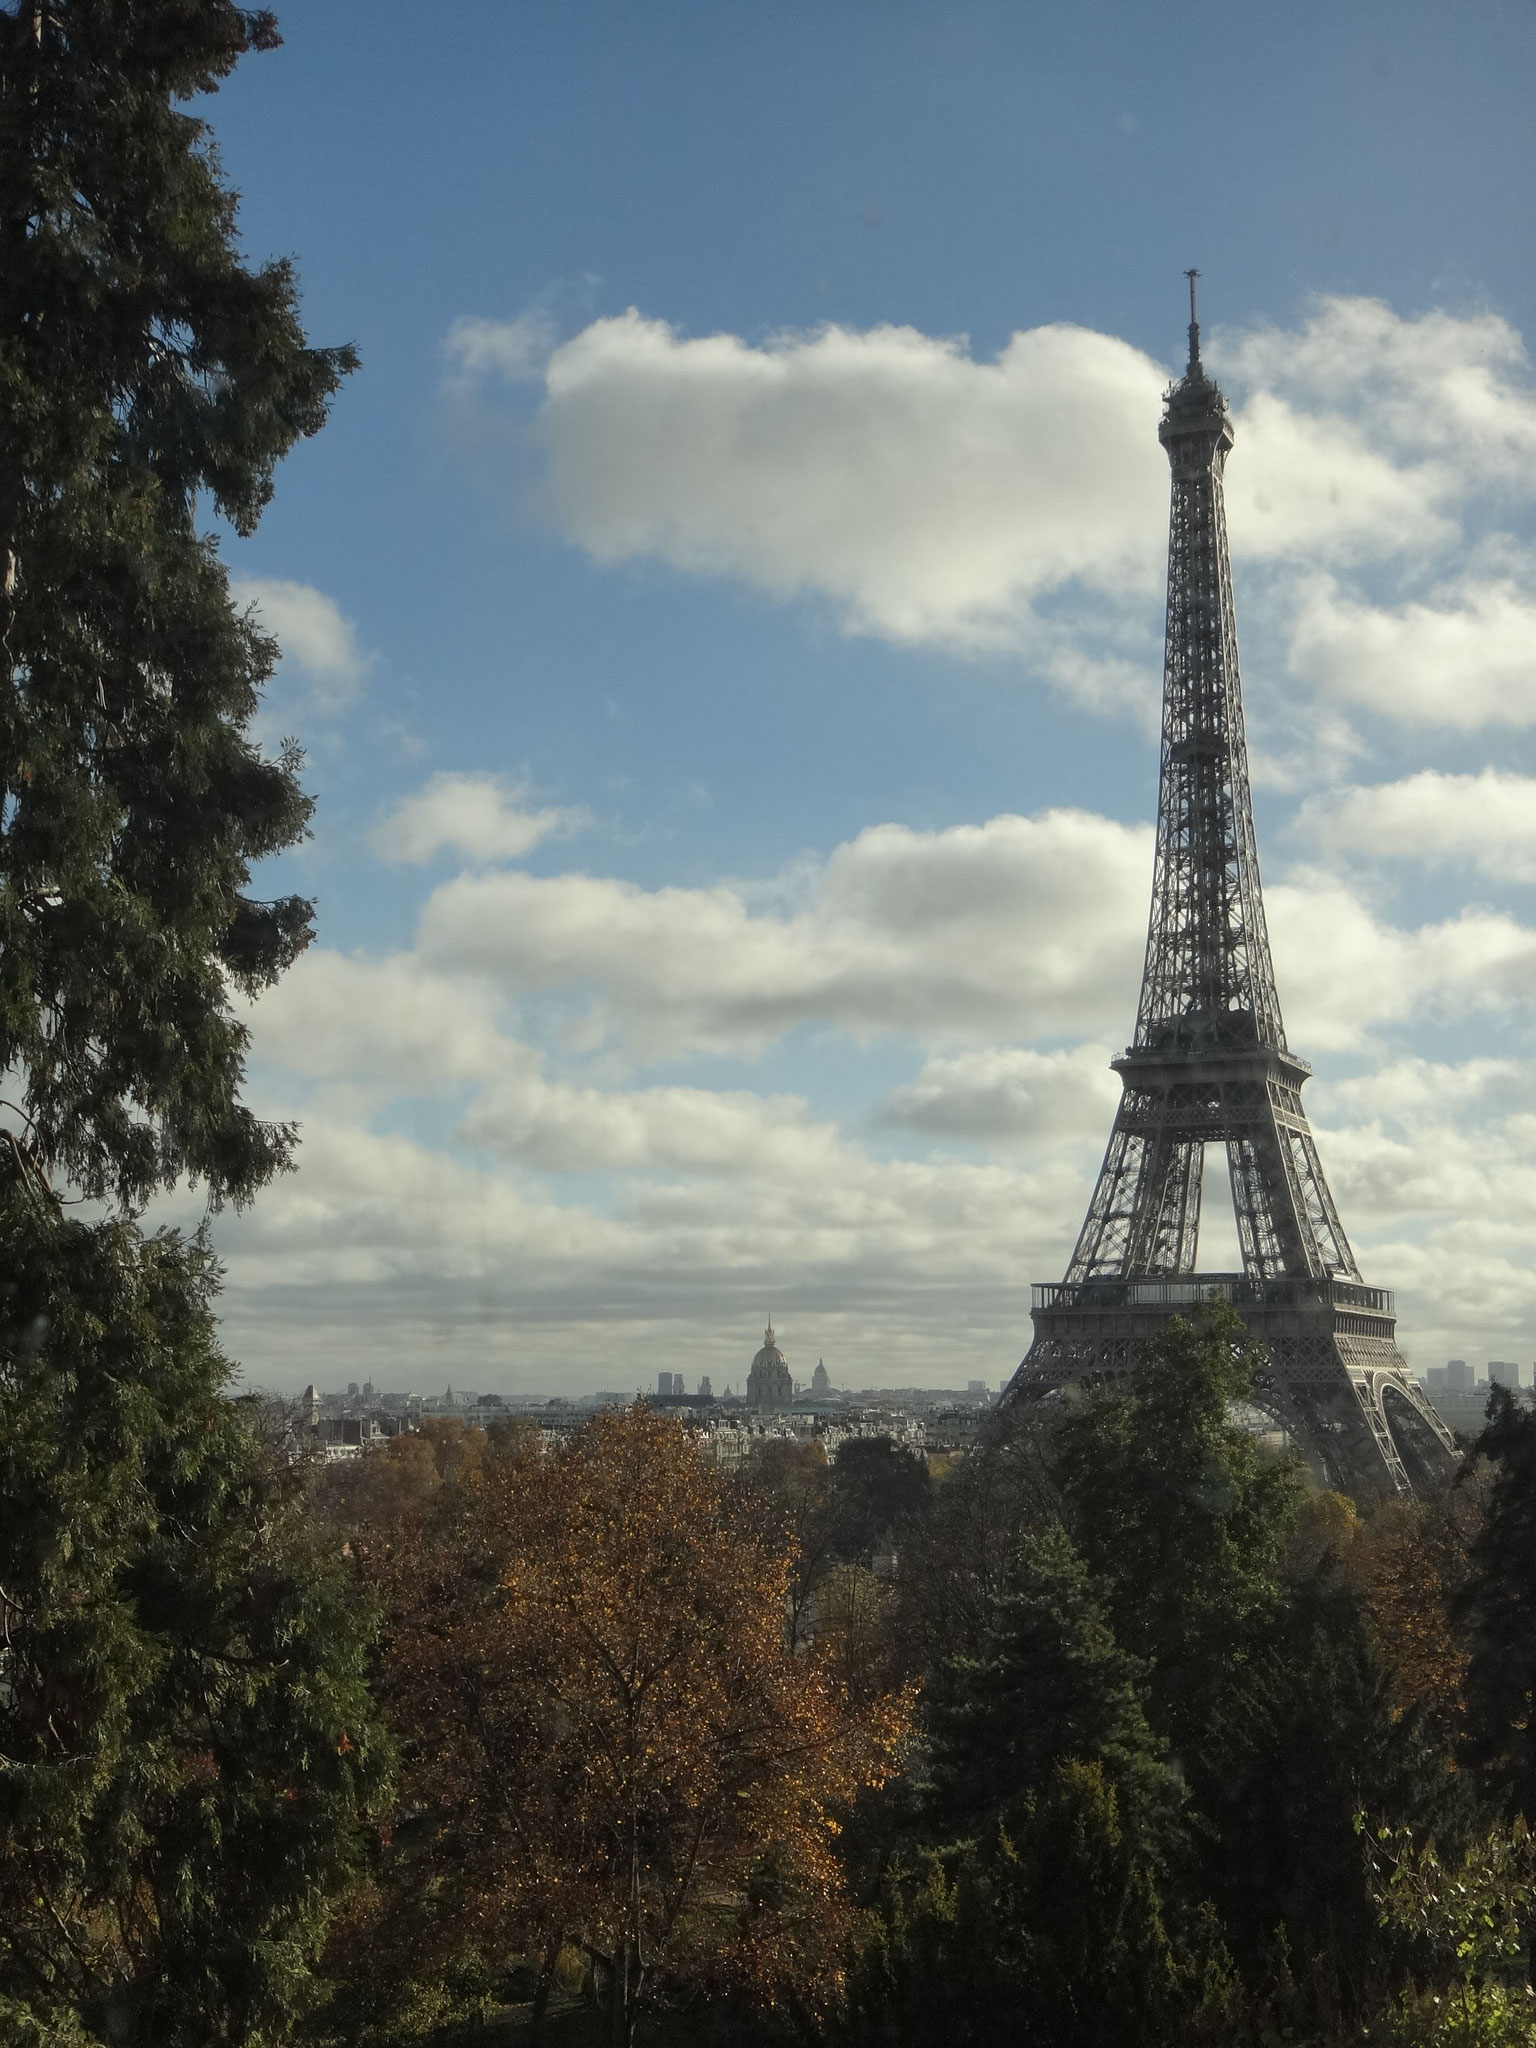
point(611, 1739)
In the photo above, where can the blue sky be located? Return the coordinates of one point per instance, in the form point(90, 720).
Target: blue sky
point(723, 617)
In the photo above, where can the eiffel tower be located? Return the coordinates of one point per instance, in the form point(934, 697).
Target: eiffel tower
point(1210, 1065)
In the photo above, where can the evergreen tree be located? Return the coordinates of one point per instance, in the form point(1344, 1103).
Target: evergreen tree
point(187, 1751)
point(1048, 1933)
point(147, 376)
point(1498, 1604)
point(1184, 1519)
point(189, 1745)
point(1306, 1740)
point(1044, 1921)
point(1054, 1686)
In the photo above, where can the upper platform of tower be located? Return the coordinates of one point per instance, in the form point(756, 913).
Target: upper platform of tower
point(1196, 428)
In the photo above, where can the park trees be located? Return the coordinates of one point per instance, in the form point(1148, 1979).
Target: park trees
point(190, 1753)
point(610, 1738)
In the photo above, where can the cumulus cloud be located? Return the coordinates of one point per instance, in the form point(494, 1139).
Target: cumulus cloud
point(519, 349)
point(1435, 1163)
point(312, 631)
point(481, 1252)
point(998, 1095)
point(1344, 973)
point(341, 1018)
point(1020, 503)
point(1302, 487)
point(564, 1129)
point(479, 817)
point(387, 1253)
point(932, 497)
point(1452, 389)
point(1485, 821)
point(1022, 925)
point(1466, 658)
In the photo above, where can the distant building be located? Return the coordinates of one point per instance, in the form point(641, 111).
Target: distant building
point(706, 1391)
point(821, 1386)
point(1503, 1372)
point(664, 1384)
point(770, 1389)
point(1458, 1376)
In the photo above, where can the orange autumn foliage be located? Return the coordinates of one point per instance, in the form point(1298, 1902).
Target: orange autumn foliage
point(608, 1734)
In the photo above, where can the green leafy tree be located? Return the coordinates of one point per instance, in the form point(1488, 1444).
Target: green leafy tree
point(147, 376)
point(189, 1748)
point(1265, 1679)
point(1469, 1916)
point(1498, 1606)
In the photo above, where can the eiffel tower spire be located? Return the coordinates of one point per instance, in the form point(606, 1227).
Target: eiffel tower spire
point(1209, 1064)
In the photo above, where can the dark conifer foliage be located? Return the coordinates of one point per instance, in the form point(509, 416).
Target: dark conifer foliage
point(148, 379)
point(1054, 1686)
point(1499, 1606)
point(189, 1747)
point(1183, 1518)
point(1049, 1936)
point(1305, 1741)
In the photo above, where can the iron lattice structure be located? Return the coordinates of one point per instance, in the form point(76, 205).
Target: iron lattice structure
point(1209, 1064)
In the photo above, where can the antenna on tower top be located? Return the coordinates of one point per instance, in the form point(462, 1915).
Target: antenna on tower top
point(1194, 329)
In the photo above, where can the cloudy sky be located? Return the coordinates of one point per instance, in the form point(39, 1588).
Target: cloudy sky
point(724, 619)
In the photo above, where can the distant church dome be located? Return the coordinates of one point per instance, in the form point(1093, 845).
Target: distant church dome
point(769, 1385)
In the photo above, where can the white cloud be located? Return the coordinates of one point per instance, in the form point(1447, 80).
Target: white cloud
point(519, 349)
point(563, 1129)
point(332, 1017)
point(929, 495)
point(1343, 973)
point(1300, 486)
point(477, 816)
point(998, 1095)
point(1486, 821)
point(1434, 1168)
point(1020, 503)
point(702, 1207)
point(1464, 660)
point(312, 632)
point(1451, 388)
point(381, 1251)
point(1023, 925)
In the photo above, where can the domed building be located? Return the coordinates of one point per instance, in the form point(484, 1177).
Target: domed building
point(769, 1386)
